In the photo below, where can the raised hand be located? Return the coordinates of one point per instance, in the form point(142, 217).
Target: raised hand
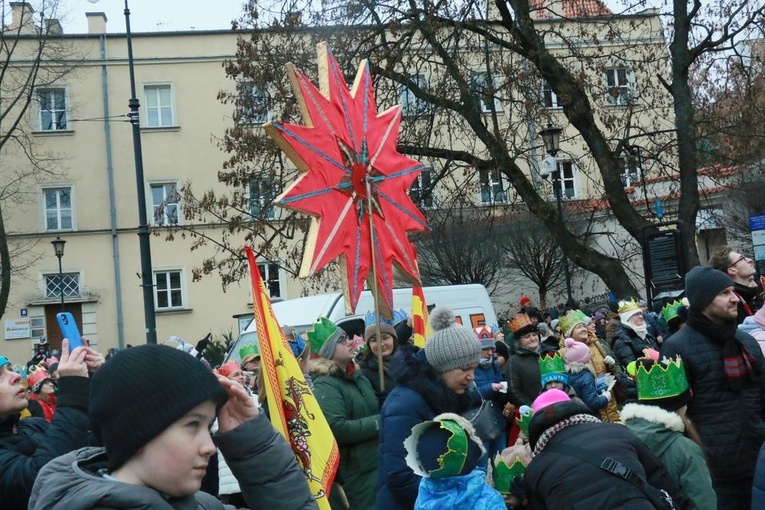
point(239, 407)
point(72, 363)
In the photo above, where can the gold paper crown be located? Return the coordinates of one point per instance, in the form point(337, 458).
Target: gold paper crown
point(664, 379)
point(628, 306)
point(520, 322)
point(571, 319)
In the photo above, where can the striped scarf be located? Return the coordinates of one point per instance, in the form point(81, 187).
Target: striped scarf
point(551, 431)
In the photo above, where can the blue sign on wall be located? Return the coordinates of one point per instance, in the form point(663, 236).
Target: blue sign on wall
point(757, 222)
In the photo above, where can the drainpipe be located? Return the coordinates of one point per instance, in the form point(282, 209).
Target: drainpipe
point(112, 201)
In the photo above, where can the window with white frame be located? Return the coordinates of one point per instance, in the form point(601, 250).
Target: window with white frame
point(550, 97)
point(68, 282)
point(630, 171)
point(262, 193)
point(159, 105)
point(58, 208)
point(421, 190)
point(52, 108)
point(164, 203)
point(254, 104)
point(618, 83)
point(493, 187)
point(487, 95)
point(271, 279)
point(566, 173)
point(168, 289)
point(411, 105)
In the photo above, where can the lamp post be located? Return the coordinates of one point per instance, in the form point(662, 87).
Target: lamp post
point(147, 280)
point(58, 248)
point(551, 138)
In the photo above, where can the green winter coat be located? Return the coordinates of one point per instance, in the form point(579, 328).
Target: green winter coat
point(349, 403)
point(662, 432)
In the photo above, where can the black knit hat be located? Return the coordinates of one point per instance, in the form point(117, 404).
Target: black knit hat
point(703, 283)
point(141, 391)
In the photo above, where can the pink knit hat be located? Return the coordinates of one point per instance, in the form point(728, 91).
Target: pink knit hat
point(548, 398)
point(577, 352)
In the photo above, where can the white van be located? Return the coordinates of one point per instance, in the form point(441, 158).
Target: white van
point(470, 303)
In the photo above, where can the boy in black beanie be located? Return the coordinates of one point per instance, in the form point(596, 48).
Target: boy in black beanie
point(152, 408)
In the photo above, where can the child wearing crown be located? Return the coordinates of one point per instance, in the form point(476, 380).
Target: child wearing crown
point(658, 419)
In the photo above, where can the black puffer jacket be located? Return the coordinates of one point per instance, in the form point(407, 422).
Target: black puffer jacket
point(561, 481)
point(730, 423)
point(36, 442)
point(628, 346)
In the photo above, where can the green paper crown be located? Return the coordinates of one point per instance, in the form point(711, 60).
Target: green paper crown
point(320, 332)
point(670, 310)
point(453, 459)
point(249, 350)
point(571, 319)
point(503, 474)
point(663, 380)
point(524, 420)
point(551, 364)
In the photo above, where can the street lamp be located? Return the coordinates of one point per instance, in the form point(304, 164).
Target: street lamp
point(58, 248)
point(551, 138)
point(147, 280)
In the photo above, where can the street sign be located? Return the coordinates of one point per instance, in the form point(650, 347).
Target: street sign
point(757, 222)
point(759, 252)
point(758, 237)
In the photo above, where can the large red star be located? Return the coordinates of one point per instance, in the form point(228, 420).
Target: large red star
point(354, 182)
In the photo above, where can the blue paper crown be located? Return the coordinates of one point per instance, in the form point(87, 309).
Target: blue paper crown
point(297, 344)
point(4, 361)
point(398, 316)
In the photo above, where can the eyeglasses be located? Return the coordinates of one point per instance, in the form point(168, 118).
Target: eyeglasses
point(740, 259)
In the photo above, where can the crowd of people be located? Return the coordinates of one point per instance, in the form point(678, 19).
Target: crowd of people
point(618, 407)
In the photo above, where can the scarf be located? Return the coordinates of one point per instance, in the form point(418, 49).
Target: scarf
point(551, 431)
point(641, 331)
point(737, 360)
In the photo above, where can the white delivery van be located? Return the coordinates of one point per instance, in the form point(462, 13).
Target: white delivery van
point(470, 303)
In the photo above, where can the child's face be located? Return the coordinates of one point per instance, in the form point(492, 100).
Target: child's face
point(175, 461)
point(554, 385)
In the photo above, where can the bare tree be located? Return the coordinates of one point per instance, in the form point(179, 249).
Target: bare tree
point(485, 63)
point(30, 57)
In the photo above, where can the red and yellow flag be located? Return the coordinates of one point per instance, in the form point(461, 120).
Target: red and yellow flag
point(420, 323)
point(291, 404)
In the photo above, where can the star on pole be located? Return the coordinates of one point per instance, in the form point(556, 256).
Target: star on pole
point(353, 181)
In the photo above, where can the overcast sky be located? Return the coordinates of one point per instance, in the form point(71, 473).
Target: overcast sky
point(162, 15)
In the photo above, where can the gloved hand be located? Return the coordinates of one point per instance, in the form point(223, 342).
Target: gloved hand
point(609, 361)
point(606, 394)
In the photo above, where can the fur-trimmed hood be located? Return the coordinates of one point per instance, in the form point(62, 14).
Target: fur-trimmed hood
point(324, 366)
point(654, 414)
point(410, 368)
point(575, 368)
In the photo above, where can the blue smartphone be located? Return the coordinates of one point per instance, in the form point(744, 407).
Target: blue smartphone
point(69, 329)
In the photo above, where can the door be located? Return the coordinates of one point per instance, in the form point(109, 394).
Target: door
point(52, 331)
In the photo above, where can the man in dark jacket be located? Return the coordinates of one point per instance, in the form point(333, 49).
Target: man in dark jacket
point(632, 336)
point(725, 371)
point(571, 445)
point(26, 446)
point(741, 269)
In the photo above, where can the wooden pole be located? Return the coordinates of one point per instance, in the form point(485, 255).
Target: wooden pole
point(380, 371)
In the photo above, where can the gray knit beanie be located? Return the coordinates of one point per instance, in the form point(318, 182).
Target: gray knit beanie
point(703, 283)
point(451, 345)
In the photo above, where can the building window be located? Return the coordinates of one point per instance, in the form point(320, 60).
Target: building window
point(493, 187)
point(254, 104)
point(550, 97)
point(58, 208)
point(617, 80)
point(70, 282)
point(159, 105)
point(566, 172)
point(168, 289)
point(270, 274)
point(630, 170)
point(487, 96)
point(164, 202)
point(413, 106)
point(262, 194)
point(421, 190)
point(52, 109)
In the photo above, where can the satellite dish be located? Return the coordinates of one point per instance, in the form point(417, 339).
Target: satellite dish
point(549, 166)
